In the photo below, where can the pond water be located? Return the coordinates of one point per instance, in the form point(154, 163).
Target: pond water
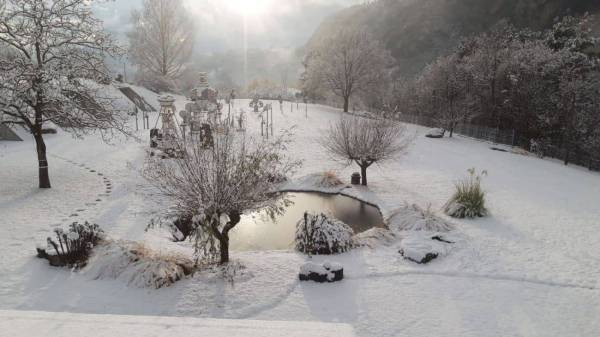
point(258, 232)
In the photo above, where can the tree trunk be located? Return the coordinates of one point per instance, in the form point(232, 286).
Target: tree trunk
point(234, 219)
point(363, 173)
point(224, 248)
point(451, 130)
point(346, 104)
point(44, 178)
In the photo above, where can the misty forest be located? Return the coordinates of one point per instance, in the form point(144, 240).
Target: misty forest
point(299, 168)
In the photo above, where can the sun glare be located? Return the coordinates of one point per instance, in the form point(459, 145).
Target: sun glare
point(250, 7)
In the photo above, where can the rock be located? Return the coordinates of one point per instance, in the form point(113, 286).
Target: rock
point(327, 272)
point(422, 248)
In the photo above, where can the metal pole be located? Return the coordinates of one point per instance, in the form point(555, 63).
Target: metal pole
point(272, 120)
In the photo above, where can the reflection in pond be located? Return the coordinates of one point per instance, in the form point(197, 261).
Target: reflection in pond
point(258, 232)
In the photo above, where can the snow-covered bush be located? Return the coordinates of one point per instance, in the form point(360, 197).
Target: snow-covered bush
point(138, 265)
point(72, 247)
point(469, 199)
point(327, 272)
point(321, 235)
point(436, 133)
point(415, 218)
point(330, 179)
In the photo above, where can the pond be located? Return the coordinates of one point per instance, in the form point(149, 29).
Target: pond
point(258, 232)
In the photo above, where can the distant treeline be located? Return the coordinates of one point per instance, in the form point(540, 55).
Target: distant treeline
point(545, 85)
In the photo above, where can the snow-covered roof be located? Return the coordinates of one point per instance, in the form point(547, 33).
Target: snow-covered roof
point(53, 324)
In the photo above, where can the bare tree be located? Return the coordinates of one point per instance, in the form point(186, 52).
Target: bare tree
point(51, 63)
point(162, 39)
point(236, 175)
point(447, 84)
point(350, 61)
point(366, 141)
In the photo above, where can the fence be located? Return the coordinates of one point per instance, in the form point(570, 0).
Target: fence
point(508, 137)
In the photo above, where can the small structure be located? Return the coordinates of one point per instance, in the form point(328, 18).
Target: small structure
point(256, 103)
point(203, 113)
point(7, 134)
point(355, 178)
point(165, 138)
point(140, 104)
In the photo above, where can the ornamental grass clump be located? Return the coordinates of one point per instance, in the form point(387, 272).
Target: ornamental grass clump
point(469, 199)
point(330, 179)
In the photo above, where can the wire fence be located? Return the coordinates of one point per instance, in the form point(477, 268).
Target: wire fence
point(509, 137)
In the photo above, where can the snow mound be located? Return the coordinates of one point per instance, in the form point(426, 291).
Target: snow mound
point(373, 238)
point(322, 235)
point(436, 133)
point(330, 179)
point(421, 247)
point(311, 267)
point(233, 272)
point(326, 182)
point(137, 265)
point(415, 218)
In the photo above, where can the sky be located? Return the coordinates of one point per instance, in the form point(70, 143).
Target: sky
point(270, 24)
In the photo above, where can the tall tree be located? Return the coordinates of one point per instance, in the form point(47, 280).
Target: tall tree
point(162, 41)
point(350, 61)
point(51, 63)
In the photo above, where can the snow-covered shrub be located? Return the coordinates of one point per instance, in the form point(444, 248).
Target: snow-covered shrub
point(330, 179)
point(327, 272)
point(373, 237)
point(469, 199)
point(436, 133)
point(421, 247)
point(415, 218)
point(321, 235)
point(72, 247)
point(138, 265)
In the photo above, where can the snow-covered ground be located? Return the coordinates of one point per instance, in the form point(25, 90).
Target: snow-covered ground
point(529, 269)
point(47, 324)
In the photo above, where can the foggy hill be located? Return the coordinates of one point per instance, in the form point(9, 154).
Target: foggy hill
point(417, 31)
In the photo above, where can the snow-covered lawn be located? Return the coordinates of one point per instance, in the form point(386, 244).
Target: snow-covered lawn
point(49, 324)
point(529, 269)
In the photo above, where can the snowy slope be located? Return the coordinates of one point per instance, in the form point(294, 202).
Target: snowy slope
point(530, 269)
